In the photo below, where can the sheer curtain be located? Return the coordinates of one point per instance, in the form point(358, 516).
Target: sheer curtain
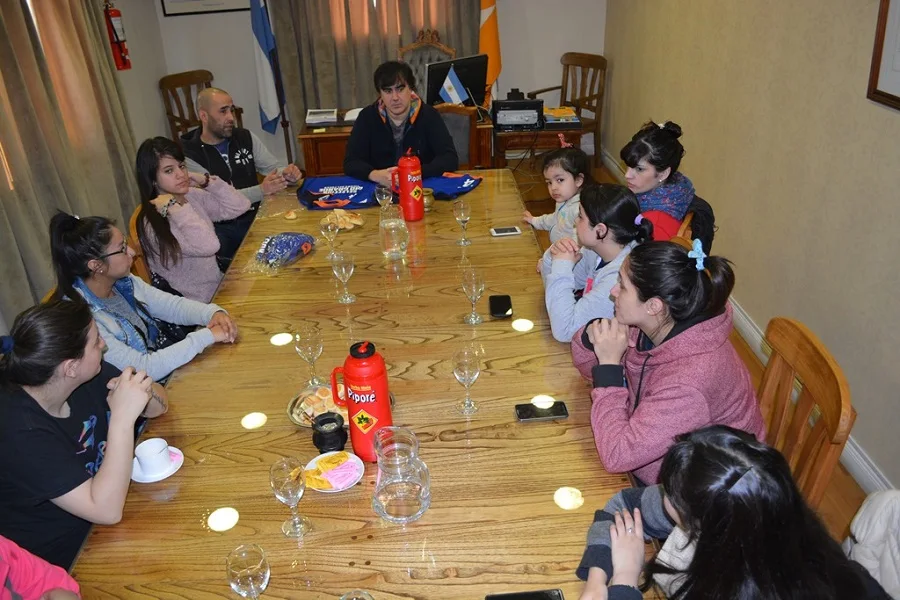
point(64, 138)
point(328, 49)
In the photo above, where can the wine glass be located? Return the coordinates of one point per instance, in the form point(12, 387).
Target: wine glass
point(462, 210)
point(384, 196)
point(248, 570)
point(288, 481)
point(473, 286)
point(466, 369)
point(329, 232)
point(308, 344)
point(342, 266)
point(357, 595)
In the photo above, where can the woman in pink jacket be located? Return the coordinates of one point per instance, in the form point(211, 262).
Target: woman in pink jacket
point(664, 366)
point(175, 225)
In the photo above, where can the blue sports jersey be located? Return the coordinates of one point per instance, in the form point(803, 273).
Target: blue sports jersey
point(451, 185)
point(327, 193)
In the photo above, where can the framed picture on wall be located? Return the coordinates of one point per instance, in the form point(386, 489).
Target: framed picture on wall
point(176, 8)
point(884, 77)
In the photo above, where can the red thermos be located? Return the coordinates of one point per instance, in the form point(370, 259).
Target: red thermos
point(368, 399)
point(407, 182)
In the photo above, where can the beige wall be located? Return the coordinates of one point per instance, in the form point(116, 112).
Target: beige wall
point(801, 168)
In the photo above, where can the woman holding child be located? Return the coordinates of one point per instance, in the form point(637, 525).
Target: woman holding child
point(664, 365)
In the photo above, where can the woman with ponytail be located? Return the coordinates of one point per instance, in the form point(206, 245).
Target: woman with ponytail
point(92, 260)
point(653, 156)
point(175, 223)
point(67, 429)
point(578, 280)
point(664, 365)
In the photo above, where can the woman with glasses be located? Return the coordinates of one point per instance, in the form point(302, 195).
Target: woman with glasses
point(93, 262)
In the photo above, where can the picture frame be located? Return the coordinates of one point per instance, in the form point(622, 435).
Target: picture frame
point(178, 8)
point(884, 76)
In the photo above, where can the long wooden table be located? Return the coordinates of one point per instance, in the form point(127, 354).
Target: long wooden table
point(493, 525)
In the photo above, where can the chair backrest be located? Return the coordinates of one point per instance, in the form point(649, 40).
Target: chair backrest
point(427, 48)
point(139, 267)
point(811, 449)
point(583, 81)
point(179, 92)
point(462, 122)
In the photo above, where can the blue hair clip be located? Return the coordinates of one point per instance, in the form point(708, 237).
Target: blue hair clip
point(6, 344)
point(698, 253)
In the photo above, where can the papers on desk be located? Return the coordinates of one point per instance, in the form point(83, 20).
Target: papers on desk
point(351, 115)
point(321, 116)
point(563, 114)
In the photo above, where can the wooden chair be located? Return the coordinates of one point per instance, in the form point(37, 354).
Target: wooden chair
point(425, 49)
point(179, 92)
point(583, 84)
point(462, 122)
point(811, 448)
point(139, 267)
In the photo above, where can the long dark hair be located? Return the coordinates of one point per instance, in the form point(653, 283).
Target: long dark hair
point(664, 270)
point(74, 242)
point(571, 160)
point(43, 337)
point(658, 144)
point(755, 536)
point(166, 246)
point(616, 207)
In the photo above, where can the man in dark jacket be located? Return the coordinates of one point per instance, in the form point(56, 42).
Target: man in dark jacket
point(236, 155)
point(398, 120)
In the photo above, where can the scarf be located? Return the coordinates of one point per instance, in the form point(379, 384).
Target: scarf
point(415, 104)
point(672, 198)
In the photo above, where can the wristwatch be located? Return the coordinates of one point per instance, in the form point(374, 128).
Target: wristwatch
point(164, 211)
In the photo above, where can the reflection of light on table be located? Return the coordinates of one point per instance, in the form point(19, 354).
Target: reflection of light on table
point(568, 498)
point(543, 401)
point(281, 339)
point(223, 519)
point(522, 325)
point(254, 420)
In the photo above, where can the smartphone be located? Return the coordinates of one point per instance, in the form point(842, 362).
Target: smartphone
point(539, 595)
point(530, 412)
point(500, 306)
point(504, 231)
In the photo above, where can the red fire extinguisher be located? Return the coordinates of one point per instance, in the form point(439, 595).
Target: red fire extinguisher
point(406, 181)
point(368, 399)
point(116, 32)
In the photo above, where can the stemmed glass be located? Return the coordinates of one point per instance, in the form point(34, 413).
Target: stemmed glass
point(342, 266)
point(248, 570)
point(384, 196)
point(308, 344)
point(473, 286)
point(466, 369)
point(329, 232)
point(289, 482)
point(462, 210)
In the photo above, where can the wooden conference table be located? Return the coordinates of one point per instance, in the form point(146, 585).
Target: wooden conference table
point(493, 525)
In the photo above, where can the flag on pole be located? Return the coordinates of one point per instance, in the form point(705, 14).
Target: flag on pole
point(489, 40)
point(266, 67)
point(453, 91)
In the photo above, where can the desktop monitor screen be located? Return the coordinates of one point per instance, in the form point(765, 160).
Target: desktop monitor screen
point(472, 73)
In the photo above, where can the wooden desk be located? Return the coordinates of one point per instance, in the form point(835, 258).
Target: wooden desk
point(493, 525)
point(324, 151)
point(545, 139)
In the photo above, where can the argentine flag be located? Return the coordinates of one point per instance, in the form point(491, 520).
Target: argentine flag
point(266, 77)
point(453, 91)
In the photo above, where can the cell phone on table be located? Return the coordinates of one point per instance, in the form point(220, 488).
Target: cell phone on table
point(530, 412)
point(504, 231)
point(538, 595)
point(500, 306)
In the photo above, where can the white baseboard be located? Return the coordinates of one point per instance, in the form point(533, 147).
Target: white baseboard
point(612, 165)
point(858, 463)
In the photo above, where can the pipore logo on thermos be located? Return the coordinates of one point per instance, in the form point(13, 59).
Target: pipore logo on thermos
point(362, 398)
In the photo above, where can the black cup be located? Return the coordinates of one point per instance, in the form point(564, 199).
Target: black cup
point(328, 432)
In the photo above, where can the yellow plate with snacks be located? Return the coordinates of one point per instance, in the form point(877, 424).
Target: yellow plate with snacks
point(312, 402)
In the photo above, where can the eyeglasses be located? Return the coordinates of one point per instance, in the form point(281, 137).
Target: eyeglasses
point(124, 250)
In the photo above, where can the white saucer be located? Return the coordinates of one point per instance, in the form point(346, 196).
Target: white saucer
point(177, 460)
point(361, 469)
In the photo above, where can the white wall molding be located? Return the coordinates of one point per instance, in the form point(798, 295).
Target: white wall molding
point(612, 165)
point(858, 463)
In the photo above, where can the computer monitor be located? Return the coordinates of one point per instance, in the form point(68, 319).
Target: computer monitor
point(472, 73)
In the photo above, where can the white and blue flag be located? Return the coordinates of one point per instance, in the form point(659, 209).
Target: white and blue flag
point(266, 67)
point(453, 91)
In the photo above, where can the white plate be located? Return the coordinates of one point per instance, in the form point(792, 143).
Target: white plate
point(354, 459)
point(177, 457)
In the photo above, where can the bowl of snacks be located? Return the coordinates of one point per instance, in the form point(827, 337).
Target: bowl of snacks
point(314, 401)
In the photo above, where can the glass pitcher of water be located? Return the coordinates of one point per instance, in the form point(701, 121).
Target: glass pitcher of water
point(393, 231)
point(403, 486)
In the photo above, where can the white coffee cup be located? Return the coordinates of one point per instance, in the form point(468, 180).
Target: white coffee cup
point(153, 456)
